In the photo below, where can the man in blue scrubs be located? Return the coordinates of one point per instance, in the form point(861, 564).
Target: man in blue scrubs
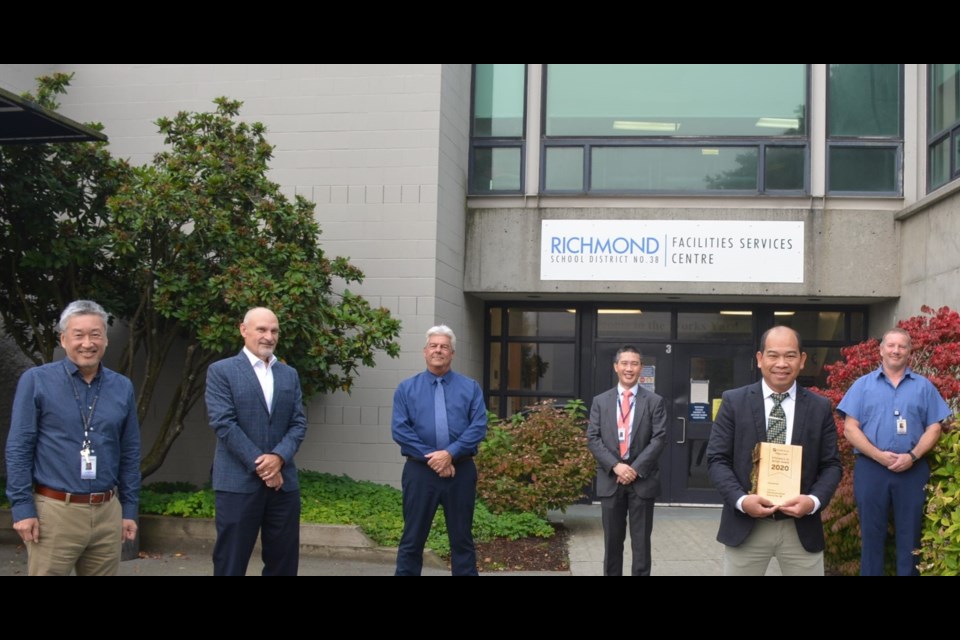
point(893, 418)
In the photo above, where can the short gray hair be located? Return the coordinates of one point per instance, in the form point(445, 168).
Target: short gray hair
point(81, 308)
point(442, 330)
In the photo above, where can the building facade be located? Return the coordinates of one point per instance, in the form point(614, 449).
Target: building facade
point(550, 213)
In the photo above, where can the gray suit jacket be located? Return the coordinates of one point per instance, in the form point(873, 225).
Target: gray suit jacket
point(742, 423)
point(649, 433)
point(245, 429)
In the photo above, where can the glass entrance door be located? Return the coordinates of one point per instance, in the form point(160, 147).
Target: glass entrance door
point(701, 373)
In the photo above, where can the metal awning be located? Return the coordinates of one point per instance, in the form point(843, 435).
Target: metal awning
point(25, 122)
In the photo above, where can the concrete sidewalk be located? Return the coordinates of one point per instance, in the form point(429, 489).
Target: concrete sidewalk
point(684, 544)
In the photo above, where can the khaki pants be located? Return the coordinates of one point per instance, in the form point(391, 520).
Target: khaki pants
point(87, 537)
point(771, 538)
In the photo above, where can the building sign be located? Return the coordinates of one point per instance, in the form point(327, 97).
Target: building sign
point(672, 250)
point(699, 412)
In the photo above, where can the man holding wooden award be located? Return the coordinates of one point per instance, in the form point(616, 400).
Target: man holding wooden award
point(773, 491)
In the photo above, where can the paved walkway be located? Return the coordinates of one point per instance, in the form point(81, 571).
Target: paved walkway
point(684, 544)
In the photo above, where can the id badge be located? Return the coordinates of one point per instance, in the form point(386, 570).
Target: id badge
point(901, 426)
point(621, 434)
point(88, 467)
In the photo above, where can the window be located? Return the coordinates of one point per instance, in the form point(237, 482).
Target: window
point(496, 154)
point(824, 334)
point(675, 128)
point(553, 350)
point(725, 326)
point(657, 100)
point(533, 356)
point(943, 164)
point(633, 324)
point(864, 129)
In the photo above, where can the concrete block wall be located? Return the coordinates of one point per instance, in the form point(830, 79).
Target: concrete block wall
point(930, 250)
point(19, 78)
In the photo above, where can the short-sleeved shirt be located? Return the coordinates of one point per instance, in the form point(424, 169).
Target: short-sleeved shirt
point(877, 405)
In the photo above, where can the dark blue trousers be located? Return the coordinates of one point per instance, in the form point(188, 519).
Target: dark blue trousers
point(877, 490)
point(275, 515)
point(423, 492)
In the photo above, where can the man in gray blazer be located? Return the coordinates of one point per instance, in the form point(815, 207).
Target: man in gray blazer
point(626, 434)
point(255, 407)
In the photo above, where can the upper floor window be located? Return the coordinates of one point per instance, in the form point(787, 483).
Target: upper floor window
point(675, 128)
point(943, 142)
point(496, 154)
point(864, 129)
point(670, 100)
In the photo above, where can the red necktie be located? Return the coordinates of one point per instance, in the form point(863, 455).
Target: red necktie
point(623, 422)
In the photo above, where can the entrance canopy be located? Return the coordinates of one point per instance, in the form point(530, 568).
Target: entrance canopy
point(24, 122)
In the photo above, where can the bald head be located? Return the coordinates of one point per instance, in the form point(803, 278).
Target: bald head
point(257, 312)
point(261, 332)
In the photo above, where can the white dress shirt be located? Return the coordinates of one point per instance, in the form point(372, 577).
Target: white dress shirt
point(264, 373)
point(789, 405)
point(633, 405)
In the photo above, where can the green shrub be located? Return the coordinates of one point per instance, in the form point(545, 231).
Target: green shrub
point(940, 541)
point(377, 509)
point(171, 487)
point(537, 461)
point(186, 504)
point(3, 494)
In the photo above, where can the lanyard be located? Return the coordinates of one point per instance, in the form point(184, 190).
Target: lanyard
point(87, 418)
point(625, 418)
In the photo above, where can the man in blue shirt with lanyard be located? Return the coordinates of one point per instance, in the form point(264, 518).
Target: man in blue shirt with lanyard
point(892, 417)
point(626, 434)
point(73, 454)
point(439, 420)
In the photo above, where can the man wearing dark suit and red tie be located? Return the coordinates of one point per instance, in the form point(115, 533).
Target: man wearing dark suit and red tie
point(626, 434)
point(256, 409)
point(775, 409)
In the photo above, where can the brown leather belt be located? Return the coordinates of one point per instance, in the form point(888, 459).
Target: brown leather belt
point(76, 498)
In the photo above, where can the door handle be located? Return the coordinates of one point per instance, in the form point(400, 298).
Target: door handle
point(683, 437)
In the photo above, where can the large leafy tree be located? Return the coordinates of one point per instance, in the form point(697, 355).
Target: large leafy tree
point(207, 236)
point(54, 231)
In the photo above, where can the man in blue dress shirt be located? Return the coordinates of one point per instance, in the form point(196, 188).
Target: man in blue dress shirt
point(439, 420)
point(73, 454)
point(892, 417)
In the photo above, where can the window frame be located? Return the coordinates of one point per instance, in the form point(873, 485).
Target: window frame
point(760, 142)
point(498, 142)
point(846, 141)
point(951, 132)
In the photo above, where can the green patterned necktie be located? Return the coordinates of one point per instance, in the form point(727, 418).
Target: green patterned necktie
point(777, 424)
